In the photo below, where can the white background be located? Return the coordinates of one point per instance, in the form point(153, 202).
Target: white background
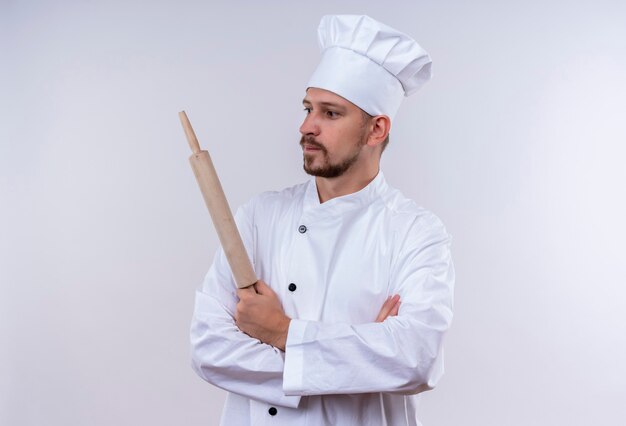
point(517, 144)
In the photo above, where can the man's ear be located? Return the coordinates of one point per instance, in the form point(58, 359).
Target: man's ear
point(380, 126)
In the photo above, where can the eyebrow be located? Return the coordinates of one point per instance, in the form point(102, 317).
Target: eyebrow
point(325, 104)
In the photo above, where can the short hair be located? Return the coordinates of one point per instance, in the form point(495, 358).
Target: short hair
point(366, 118)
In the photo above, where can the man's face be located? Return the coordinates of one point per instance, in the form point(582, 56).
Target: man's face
point(333, 133)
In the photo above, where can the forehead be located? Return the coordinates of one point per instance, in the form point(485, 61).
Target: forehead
point(317, 95)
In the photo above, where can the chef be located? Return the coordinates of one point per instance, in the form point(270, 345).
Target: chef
point(346, 322)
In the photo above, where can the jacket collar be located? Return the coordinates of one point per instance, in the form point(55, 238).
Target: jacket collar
point(344, 203)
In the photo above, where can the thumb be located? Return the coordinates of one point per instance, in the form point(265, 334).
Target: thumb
point(262, 288)
point(246, 291)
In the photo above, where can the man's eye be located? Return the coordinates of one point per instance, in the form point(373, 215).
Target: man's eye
point(308, 110)
point(332, 114)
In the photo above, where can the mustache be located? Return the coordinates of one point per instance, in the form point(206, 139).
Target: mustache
point(310, 140)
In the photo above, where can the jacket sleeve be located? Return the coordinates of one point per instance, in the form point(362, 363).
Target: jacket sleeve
point(404, 353)
point(222, 354)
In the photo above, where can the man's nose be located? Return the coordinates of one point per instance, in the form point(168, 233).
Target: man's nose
point(309, 125)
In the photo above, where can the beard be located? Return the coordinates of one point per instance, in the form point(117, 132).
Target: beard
point(329, 169)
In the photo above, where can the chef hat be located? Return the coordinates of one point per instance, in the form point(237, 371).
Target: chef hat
point(368, 63)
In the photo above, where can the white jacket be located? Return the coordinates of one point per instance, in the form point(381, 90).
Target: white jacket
point(332, 265)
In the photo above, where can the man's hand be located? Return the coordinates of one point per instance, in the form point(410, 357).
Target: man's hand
point(260, 315)
point(390, 308)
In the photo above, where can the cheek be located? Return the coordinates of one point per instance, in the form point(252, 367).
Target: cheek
point(340, 139)
point(347, 139)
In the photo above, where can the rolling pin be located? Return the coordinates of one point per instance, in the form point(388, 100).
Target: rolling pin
point(219, 209)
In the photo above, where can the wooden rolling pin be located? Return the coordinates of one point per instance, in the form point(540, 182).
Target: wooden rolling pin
point(221, 214)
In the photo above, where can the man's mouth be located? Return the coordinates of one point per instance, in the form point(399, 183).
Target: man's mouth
point(311, 148)
point(311, 145)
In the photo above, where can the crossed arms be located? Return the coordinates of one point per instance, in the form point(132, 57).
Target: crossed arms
point(260, 315)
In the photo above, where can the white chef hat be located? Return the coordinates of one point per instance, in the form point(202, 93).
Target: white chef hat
point(368, 63)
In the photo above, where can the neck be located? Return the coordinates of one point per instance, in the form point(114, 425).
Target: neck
point(353, 180)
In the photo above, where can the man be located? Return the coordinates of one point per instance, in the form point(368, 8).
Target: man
point(345, 325)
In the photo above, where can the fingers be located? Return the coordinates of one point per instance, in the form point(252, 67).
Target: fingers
point(396, 308)
point(262, 288)
point(389, 307)
point(246, 291)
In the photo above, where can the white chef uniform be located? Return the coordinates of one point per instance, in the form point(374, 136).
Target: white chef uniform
point(332, 265)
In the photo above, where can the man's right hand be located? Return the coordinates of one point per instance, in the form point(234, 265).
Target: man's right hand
point(260, 315)
point(390, 308)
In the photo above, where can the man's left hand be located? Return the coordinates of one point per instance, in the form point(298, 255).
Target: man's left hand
point(260, 315)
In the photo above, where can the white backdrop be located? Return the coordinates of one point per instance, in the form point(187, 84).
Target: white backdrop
point(517, 144)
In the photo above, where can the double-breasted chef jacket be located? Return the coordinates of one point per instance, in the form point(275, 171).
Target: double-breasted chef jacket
point(332, 265)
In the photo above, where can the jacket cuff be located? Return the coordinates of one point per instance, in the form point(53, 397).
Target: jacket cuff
point(293, 372)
